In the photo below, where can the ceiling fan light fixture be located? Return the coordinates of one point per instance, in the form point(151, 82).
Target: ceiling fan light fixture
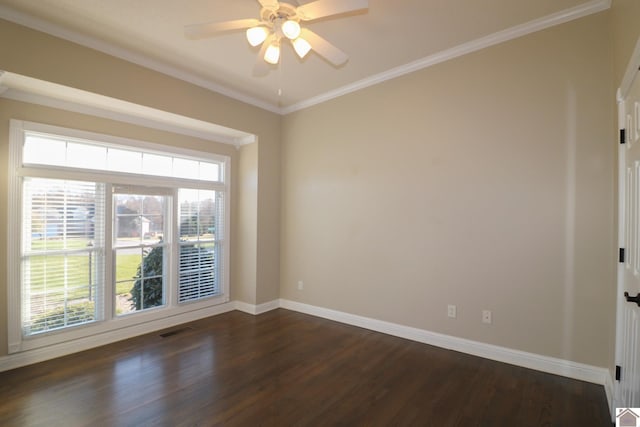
point(291, 29)
point(280, 20)
point(301, 46)
point(272, 54)
point(257, 35)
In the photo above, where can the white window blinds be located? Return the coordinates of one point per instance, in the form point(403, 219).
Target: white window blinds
point(63, 247)
point(199, 243)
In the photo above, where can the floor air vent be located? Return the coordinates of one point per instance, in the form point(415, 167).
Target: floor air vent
point(174, 332)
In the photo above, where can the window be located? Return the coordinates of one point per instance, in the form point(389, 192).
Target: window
point(110, 233)
point(140, 250)
point(197, 244)
point(63, 242)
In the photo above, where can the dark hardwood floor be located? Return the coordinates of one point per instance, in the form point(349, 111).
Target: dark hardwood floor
point(284, 368)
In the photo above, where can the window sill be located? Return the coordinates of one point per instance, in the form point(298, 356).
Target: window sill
point(98, 333)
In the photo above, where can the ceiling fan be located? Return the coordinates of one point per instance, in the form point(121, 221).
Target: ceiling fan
point(280, 21)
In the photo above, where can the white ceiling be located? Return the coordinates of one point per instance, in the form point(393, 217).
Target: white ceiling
point(391, 38)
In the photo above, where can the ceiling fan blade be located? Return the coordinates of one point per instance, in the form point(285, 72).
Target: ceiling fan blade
point(269, 4)
point(322, 8)
point(199, 31)
point(261, 67)
point(324, 48)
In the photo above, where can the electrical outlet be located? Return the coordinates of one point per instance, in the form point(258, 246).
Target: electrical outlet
point(451, 311)
point(486, 316)
point(300, 285)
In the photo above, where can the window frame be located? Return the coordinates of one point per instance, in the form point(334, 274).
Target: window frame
point(197, 244)
point(168, 242)
point(110, 322)
point(28, 253)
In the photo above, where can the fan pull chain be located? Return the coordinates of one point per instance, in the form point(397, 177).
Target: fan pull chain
point(280, 76)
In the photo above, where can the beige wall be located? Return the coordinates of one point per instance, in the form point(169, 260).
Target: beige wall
point(268, 245)
point(484, 182)
point(625, 25)
point(255, 210)
point(246, 225)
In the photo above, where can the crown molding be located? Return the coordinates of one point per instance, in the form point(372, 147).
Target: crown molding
point(37, 24)
point(630, 74)
point(548, 21)
point(588, 8)
point(27, 89)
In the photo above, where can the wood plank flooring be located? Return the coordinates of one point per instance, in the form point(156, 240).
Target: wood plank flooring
point(282, 369)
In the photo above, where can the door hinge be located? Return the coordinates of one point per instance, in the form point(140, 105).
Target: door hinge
point(621, 255)
point(618, 372)
point(623, 136)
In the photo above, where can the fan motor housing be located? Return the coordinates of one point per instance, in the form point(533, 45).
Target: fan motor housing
point(285, 11)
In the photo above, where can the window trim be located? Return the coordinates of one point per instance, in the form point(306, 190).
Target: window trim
point(27, 253)
point(145, 319)
point(167, 243)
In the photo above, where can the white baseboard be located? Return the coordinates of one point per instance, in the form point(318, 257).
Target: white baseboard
point(552, 365)
point(609, 390)
point(257, 309)
point(28, 357)
point(538, 362)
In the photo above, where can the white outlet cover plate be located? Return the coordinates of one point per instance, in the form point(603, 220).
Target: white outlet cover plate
point(486, 316)
point(451, 311)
